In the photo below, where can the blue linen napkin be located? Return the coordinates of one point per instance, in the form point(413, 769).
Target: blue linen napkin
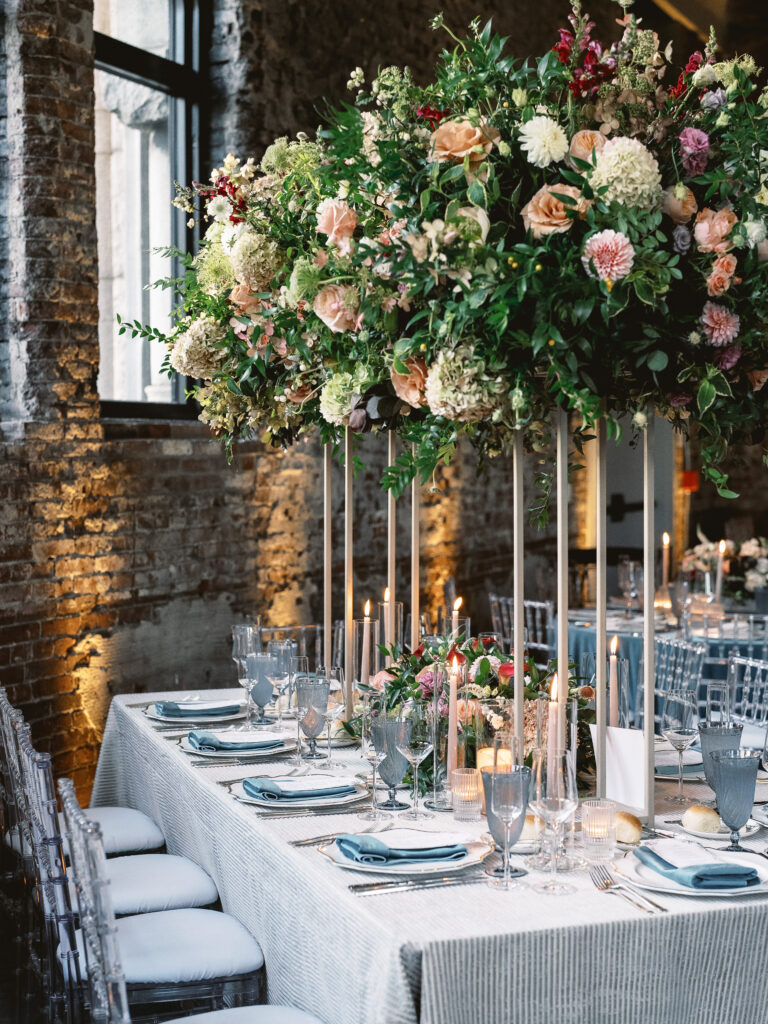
point(366, 849)
point(714, 875)
point(270, 789)
point(190, 709)
point(201, 740)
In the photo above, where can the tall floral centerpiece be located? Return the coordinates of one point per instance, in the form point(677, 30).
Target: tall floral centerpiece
point(585, 229)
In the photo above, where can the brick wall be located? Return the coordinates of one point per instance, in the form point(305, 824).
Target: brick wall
point(127, 549)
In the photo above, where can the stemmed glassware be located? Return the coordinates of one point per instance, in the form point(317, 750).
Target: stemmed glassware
point(554, 798)
point(260, 669)
point(506, 798)
point(371, 755)
point(735, 774)
point(414, 741)
point(630, 581)
point(679, 727)
point(242, 646)
point(334, 674)
point(311, 705)
point(298, 671)
point(392, 764)
point(281, 651)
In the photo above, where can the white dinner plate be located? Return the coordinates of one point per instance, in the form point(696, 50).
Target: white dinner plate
point(342, 739)
point(760, 815)
point(308, 802)
point(477, 851)
point(522, 846)
point(289, 744)
point(634, 871)
point(192, 720)
point(749, 829)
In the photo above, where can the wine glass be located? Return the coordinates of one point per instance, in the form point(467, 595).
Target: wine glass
point(336, 703)
point(242, 646)
point(371, 755)
point(506, 798)
point(298, 670)
point(414, 741)
point(281, 651)
point(679, 727)
point(259, 668)
point(392, 765)
point(735, 774)
point(311, 704)
point(554, 798)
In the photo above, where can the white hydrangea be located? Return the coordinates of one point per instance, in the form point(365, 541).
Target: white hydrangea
point(544, 141)
point(630, 172)
point(196, 352)
point(256, 258)
point(231, 232)
point(459, 388)
point(340, 392)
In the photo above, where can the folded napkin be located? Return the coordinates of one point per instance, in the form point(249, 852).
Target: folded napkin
point(297, 789)
point(195, 708)
point(695, 868)
point(202, 740)
point(403, 846)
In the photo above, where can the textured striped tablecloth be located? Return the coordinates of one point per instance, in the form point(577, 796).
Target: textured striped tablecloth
point(458, 955)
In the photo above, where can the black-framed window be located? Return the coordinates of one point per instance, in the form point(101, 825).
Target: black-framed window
point(149, 94)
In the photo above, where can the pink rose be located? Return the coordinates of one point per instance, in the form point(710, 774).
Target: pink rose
point(721, 275)
point(546, 215)
point(247, 302)
point(380, 680)
point(337, 306)
point(694, 151)
point(338, 220)
point(409, 387)
point(455, 140)
point(712, 230)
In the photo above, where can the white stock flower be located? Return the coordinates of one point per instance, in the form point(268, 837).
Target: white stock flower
point(543, 140)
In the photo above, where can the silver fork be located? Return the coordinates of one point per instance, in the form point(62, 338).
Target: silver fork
point(319, 840)
point(603, 880)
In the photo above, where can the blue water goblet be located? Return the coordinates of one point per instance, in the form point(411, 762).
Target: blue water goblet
point(735, 776)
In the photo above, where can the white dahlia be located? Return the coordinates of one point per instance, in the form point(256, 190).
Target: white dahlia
point(543, 140)
point(631, 173)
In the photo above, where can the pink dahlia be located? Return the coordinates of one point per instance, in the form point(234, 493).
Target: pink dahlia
point(720, 325)
point(611, 254)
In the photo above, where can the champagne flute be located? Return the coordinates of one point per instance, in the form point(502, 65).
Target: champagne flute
point(372, 756)
point(554, 799)
point(336, 703)
point(298, 670)
point(242, 646)
point(281, 651)
point(415, 742)
point(679, 727)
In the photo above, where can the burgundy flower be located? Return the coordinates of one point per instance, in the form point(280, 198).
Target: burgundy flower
point(680, 400)
point(727, 358)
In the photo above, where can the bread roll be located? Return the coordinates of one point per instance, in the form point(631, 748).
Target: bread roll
point(699, 818)
point(628, 827)
point(530, 828)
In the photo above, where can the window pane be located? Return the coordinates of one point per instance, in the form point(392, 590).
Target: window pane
point(142, 23)
point(133, 217)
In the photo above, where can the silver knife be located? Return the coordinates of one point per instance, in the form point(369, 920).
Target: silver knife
point(315, 840)
point(305, 813)
point(410, 884)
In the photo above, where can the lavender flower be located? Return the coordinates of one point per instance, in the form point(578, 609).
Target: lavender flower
point(681, 239)
point(713, 100)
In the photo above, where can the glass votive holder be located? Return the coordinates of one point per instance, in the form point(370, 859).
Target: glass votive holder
point(467, 794)
point(598, 830)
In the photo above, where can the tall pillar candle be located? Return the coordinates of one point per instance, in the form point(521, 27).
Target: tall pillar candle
point(613, 685)
point(665, 559)
point(455, 615)
point(719, 577)
point(454, 670)
point(365, 658)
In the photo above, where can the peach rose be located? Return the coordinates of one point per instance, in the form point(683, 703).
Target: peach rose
point(337, 306)
point(546, 215)
point(720, 278)
point(338, 220)
point(712, 230)
point(583, 145)
point(242, 296)
point(466, 710)
point(380, 680)
point(409, 387)
point(298, 394)
point(680, 210)
point(758, 378)
point(454, 140)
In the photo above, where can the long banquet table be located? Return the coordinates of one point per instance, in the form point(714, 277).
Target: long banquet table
point(459, 955)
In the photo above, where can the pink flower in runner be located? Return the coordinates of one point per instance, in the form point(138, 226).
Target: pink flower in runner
point(720, 325)
point(610, 253)
point(694, 150)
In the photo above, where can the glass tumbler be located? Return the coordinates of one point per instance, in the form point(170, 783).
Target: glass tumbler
point(467, 794)
point(598, 830)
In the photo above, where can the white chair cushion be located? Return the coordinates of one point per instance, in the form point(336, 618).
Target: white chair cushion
point(183, 945)
point(124, 829)
point(158, 881)
point(252, 1015)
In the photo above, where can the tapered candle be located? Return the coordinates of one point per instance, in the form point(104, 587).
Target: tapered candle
point(387, 632)
point(719, 577)
point(455, 615)
point(613, 685)
point(453, 714)
point(365, 660)
point(664, 559)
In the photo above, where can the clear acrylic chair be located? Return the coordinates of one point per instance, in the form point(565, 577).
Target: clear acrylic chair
point(747, 680)
point(539, 617)
point(678, 665)
point(158, 958)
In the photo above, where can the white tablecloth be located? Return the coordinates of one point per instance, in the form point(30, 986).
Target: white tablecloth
point(458, 955)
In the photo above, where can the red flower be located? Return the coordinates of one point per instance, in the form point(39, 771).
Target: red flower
point(506, 671)
point(432, 114)
point(419, 651)
point(454, 652)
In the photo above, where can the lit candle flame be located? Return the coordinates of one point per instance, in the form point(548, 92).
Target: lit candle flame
point(553, 691)
point(614, 644)
point(665, 539)
point(367, 609)
point(457, 603)
point(455, 663)
point(722, 547)
point(386, 595)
